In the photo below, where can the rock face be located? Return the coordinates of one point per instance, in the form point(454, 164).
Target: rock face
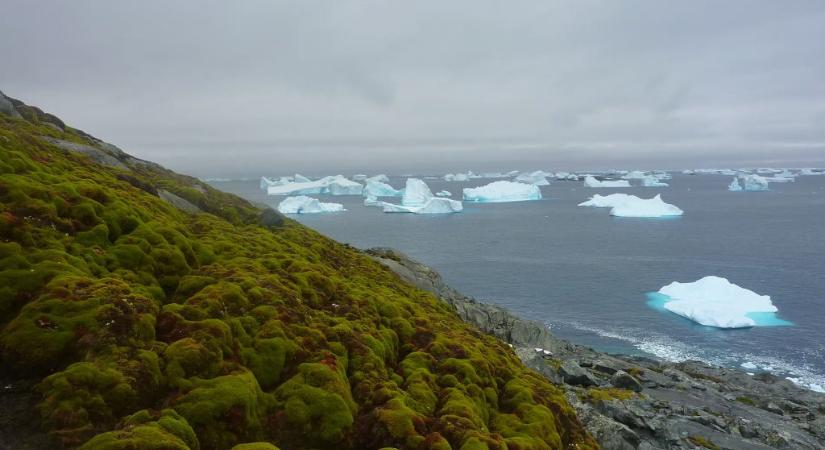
point(641, 403)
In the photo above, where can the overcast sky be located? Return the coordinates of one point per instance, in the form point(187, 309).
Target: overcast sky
point(217, 88)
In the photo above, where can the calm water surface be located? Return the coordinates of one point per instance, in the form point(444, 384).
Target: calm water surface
point(585, 274)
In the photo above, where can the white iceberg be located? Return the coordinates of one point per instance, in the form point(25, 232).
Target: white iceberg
point(456, 177)
point(416, 193)
point(755, 183)
point(734, 185)
point(381, 178)
point(537, 178)
point(812, 171)
point(635, 175)
point(594, 183)
point(444, 194)
point(624, 205)
point(380, 189)
point(307, 205)
point(359, 177)
point(502, 191)
point(653, 181)
point(716, 302)
point(433, 205)
point(298, 178)
point(371, 200)
point(333, 185)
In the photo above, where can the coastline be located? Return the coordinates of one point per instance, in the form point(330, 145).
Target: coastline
point(632, 402)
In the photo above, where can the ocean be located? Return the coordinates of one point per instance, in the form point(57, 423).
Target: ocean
point(586, 275)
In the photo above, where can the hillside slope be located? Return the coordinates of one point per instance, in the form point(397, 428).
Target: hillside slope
point(157, 312)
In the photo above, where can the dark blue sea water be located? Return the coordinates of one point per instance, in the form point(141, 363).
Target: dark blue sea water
point(586, 274)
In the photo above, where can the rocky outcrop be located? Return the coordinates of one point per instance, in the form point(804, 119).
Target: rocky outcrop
point(178, 202)
point(641, 403)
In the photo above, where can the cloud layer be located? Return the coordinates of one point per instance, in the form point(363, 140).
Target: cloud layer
point(217, 88)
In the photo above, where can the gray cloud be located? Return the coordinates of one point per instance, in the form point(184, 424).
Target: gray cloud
point(270, 87)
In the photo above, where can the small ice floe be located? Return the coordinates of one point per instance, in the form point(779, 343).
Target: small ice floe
point(592, 182)
point(418, 199)
point(443, 194)
point(716, 302)
point(307, 205)
point(502, 191)
point(624, 205)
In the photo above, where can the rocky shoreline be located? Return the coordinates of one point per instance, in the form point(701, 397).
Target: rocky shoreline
point(644, 403)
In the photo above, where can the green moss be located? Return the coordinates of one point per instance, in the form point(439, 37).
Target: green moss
point(255, 446)
point(703, 442)
point(249, 333)
point(594, 395)
point(746, 400)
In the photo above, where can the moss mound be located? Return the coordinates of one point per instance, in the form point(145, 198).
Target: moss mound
point(151, 327)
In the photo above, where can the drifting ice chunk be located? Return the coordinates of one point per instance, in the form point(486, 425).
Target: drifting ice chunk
point(444, 194)
point(536, 178)
point(809, 171)
point(652, 181)
point(359, 177)
point(298, 178)
point(635, 175)
point(380, 189)
point(433, 205)
point(502, 191)
point(307, 205)
point(755, 183)
point(381, 178)
point(594, 183)
point(372, 200)
point(456, 177)
point(624, 205)
point(334, 185)
point(416, 193)
point(716, 302)
point(734, 185)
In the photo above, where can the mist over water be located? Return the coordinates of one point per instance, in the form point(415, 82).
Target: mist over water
point(587, 274)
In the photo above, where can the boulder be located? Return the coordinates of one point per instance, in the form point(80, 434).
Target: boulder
point(574, 374)
point(624, 380)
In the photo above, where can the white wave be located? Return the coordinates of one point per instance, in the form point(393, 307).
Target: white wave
point(673, 350)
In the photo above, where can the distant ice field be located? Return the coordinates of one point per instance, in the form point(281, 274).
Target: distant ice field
point(587, 274)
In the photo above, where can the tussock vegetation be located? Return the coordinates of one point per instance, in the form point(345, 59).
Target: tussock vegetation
point(153, 328)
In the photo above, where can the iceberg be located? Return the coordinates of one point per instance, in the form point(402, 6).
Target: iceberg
point(716, 302)
point(734, 185)
point(443, 194)
point(812, 171)
point(298, 178)
point(416, 193)
point(635, 175)
point(371, 200)
point(381, 178)
point(433, 205)
point(334, 185)
point(456, 177)
point(624, 205)
point(502, 191)
point(594, 183)
point(307, 205)
point(652, 181)
point(755, 183)
point(359, 177)
point(536, 178)
point(380, 189)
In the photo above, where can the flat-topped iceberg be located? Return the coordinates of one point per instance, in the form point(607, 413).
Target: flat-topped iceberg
point(594, 183)
point(537, 178)
point(333, 185)
point(502, 191)
point(624, 205)
point(716, 302)
point(635, 175)
point(433, 205)
point(380, 189)
point(307, 205)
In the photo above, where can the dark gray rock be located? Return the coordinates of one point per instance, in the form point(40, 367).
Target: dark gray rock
point(624, 380)
point(178, 202)
point(96, 154)
point(7, 107)
point(574, 374)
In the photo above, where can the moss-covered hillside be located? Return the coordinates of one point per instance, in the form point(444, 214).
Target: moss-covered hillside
point(160, 313)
